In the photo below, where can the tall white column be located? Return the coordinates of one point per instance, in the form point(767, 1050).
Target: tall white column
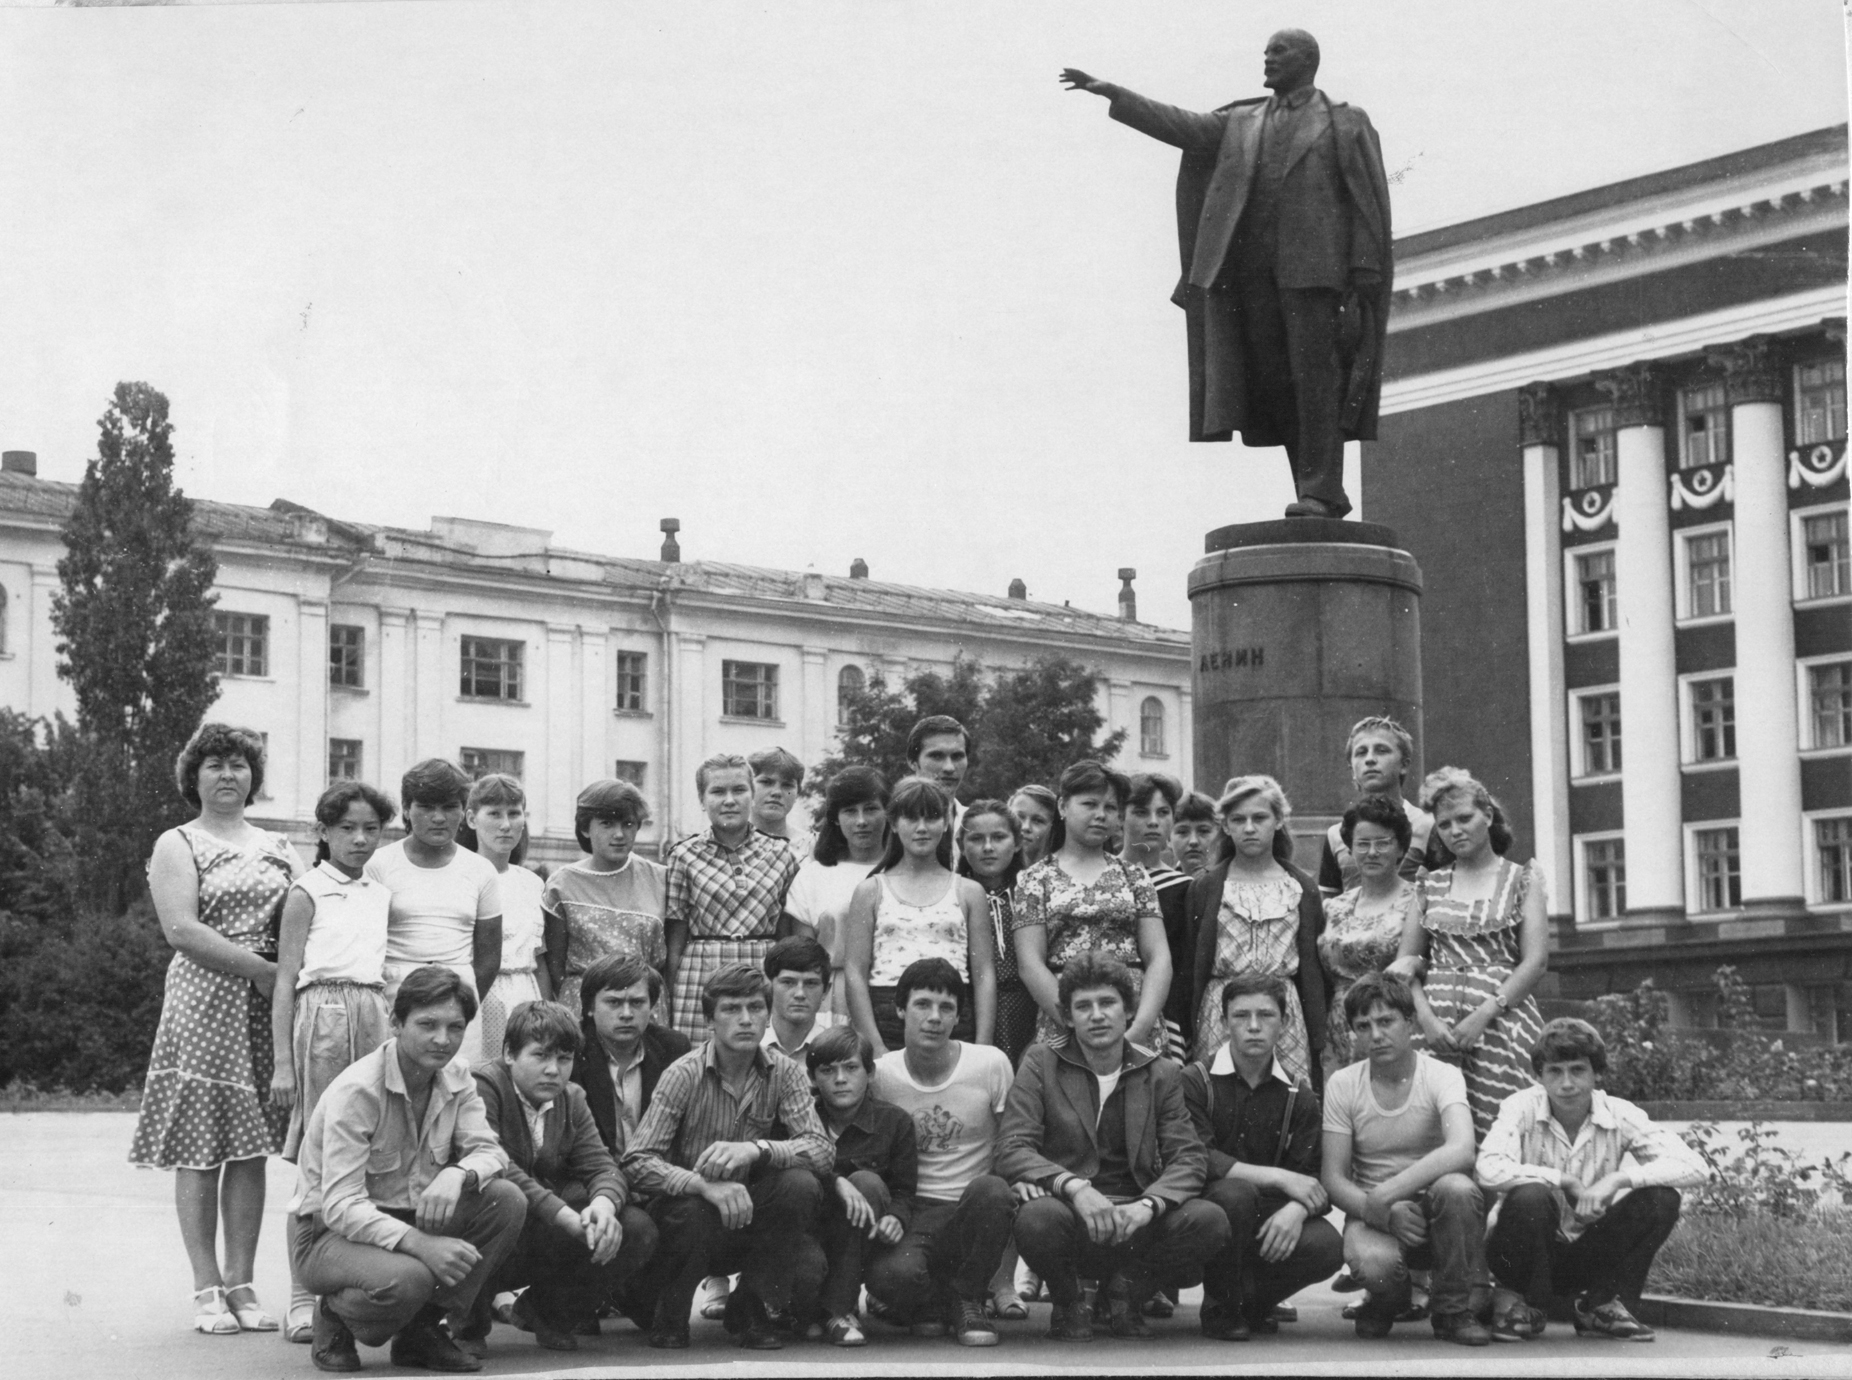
point(436, 690)
point(817, 714)
point(1121, 713)
point(555, 788)
point(691, 723)
point(1540, 423)
point(1767, 719)
point(311, 706)
point(597, 694)
point(1650, 779)
point(396, 686)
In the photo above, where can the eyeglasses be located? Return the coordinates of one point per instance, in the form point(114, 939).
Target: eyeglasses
point(1373, 848)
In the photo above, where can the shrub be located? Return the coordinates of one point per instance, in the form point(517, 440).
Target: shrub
point(1761, 1175)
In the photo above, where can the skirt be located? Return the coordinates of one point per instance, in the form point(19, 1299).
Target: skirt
point(336, 1023)
point(206, 1101)
point(510, 988)
point(1499, 1065)
point(702, 957)
point(1016, 1011)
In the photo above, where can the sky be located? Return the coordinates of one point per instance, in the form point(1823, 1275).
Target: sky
point(822, 280)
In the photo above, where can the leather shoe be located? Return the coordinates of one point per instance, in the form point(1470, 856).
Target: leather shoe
point(1376, 1315)
point(424, 1343)
point(1221, 1325)
point(545, 1334)
point(1124, 1316)
point(668, 1329)
point(1070, 1322)
point(746, 1321)
point(1461, 1327)
point(332, 1347)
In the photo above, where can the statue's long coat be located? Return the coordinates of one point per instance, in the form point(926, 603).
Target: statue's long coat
point(1319, 242)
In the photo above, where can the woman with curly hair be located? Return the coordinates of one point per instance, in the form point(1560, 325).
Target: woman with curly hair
point(218, 884)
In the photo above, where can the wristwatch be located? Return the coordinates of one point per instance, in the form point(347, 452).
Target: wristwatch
point(764, 1147)
point(1157, 1207)
point(471, 1181)
point(1499, 997)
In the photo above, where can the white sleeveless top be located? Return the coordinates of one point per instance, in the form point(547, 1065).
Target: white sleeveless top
point(347, 933)
point(906, 933)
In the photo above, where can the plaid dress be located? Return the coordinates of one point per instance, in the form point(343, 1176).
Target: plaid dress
point(731, 900)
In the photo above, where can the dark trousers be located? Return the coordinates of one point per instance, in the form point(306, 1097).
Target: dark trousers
point(563, 1286)
point(954, 1246)
point(1454, 1250)
point(1168, 1252)
point(1295, 378)
point(775, 1255)
point(1608, 1260)
point(846, 1248)
point(1238, 1278)
point(376, 1291)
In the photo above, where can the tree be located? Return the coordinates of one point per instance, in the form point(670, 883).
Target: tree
point(134, 619)
point(1027, 725)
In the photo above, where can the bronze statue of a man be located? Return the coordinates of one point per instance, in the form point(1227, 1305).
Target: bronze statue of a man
point(1283, 222)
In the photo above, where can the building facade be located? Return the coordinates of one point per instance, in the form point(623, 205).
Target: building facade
point(1615, 440)
point(359, 650)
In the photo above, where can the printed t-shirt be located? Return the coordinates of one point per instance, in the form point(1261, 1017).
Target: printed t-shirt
point(954, 1122)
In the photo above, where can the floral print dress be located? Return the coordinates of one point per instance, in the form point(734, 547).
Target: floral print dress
point(1101, 916)
point(1257, 931)
point(1352, 946)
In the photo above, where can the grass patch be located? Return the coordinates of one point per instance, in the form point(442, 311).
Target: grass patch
point(1803, 1262)
point(21, 1096)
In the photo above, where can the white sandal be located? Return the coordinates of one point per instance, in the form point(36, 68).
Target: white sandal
point(252, 1318)
point(300, 1325)
point(210, 1315)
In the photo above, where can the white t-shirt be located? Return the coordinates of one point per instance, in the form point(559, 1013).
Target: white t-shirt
point(347, 933)
point(954, 1122)
point(522, 927)
point(1109, 1084)
point(1384, 1143)
point(820, 896)
point(435, 909)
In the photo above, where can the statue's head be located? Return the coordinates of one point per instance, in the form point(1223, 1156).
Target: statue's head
point(1289, 61)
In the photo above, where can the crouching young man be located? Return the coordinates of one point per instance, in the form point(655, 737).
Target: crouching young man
point(730, 1152)
point(1261, 1132)
point(580, 1240)
point(1097, 1138)
point(407, 1215)
point(869, 1203)
point(1398, 1159)
point(1571, 1219)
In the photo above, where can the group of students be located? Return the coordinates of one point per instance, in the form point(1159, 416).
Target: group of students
point(1085, 1027)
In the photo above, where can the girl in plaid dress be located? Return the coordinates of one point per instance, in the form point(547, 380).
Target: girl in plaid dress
point(725, 893)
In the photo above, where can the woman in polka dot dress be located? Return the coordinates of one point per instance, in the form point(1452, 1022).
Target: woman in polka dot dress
point(218, 885)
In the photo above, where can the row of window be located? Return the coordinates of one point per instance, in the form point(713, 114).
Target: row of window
point(1704, 424)
point(1716, 868)
point(1823, 571)
point(346, 762)
point(1709, 718)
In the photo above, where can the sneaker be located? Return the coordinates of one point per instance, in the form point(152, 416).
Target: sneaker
point(965, 1317)
point(1610, 1319)
point(1461, 1327)
point(844, 1331)
point(1070, 1322)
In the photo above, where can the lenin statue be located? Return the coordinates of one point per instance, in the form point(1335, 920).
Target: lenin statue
point(1283, 222)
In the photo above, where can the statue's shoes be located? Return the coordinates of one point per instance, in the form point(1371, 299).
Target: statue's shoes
point(1315, 507)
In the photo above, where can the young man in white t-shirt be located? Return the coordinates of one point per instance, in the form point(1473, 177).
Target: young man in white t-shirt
point(937, 1277)
point(1398, 1159)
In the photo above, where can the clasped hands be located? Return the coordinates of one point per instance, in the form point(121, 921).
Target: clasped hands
point(1403, 1219)
point(1589, 1201)
point(597, 1226)
point(717, 1166)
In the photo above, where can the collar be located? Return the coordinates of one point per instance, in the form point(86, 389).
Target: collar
point(334, 874)
point(1600, 1113)
point(622, 1067)
point(1225, 1064)
point(1133, 1058)
point(710, 1059)
point(1296, 100)
point(451, 1078)
point(770, 1041)
point(863, 1120)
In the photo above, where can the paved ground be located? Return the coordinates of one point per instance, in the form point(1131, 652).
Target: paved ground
point(93, 1283)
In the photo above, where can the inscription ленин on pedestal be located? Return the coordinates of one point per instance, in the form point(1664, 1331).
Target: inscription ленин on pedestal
point(1227, 660)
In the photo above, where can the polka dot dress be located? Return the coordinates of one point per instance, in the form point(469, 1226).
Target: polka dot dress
point(207, 1097)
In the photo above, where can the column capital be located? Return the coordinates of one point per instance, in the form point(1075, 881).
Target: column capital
point(1540, 416)
point(816, 656)
point(1637, 392)
point(1751, 370)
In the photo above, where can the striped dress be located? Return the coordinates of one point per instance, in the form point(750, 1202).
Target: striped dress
point(1473, 946)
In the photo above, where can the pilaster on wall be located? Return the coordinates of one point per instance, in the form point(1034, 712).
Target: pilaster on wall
point(1540, 434)
point(311, 705)
point(596, 698)
point(436, 691)
point(555, 789)
point(691, 719)
point(818, 709)
point(396, 691)
point(1651, 784)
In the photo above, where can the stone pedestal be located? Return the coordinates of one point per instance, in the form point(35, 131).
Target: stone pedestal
point(1300, 627)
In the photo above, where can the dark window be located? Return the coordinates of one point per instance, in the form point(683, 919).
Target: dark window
point(1592, 457)
point(1601, 742)
point(1832, 843)
point(1151, 727)
point(1709, 559)
point(1720, 869)
point(491, 668)
point(1829, 559)
point(748, 690)
point(632, 681)
point(480, 762)
point(1713, 719)
point(1705, 426)
point(347, 655)
point(850, 682)
point(629, 771)
point(343, 759)
point(1820, 402)
point(1596, 610)
point(244, 644)
point(1829, 698)
point(1605, 862)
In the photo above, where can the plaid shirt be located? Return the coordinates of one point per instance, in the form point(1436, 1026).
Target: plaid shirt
point(729, 893)
point(1527, 1145)
point(692, 1109)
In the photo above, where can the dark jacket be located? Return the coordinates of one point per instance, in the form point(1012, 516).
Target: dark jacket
point(1291, 1121)
point(1049, 1119)
point(881, 1141)
point(592, 1072)
point(1205, 905)
point(570, 1168)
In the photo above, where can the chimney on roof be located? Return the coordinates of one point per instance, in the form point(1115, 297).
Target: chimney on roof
point(1018, 590)
point(24, 462)
point(1128, 601)
point(671, 548)
point(813, 586)
point(858, 569)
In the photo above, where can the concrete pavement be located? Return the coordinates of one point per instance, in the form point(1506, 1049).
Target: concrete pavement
point(93, 1283)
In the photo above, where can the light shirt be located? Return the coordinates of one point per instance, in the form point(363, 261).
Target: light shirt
point(954, 1122)
point(536, 1121)
point(906, 933)
point(1528, 1145)
point(627, 1085)
point(362, 1151)
point(522, 925)
point(1385, 1142)
point(347, 933)
point(1109, 1083)
point(819, 897)
point(770, 1043)
point(435, 909)
point(1224, 1063)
